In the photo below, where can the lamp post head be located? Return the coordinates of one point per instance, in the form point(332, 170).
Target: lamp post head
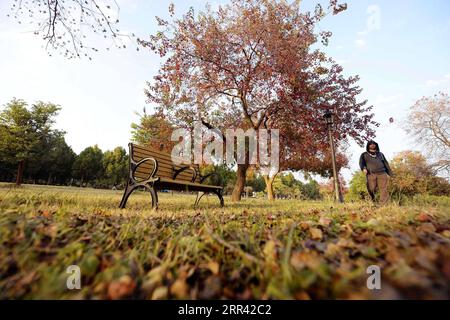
point(328, 117)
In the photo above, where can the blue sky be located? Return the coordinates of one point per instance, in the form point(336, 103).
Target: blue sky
point(400, 49)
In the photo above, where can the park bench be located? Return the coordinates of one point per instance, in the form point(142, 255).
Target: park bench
point(154, 170)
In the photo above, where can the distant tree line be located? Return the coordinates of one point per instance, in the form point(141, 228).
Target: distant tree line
point(285, 186)
point(32, 151)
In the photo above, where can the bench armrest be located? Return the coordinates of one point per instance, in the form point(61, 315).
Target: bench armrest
point(135, 165)
point(176, 172)
point(203, 178)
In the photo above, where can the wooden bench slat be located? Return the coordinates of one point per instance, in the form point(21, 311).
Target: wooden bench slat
point(165, 169)
point(163, 163)
point(149, 165)
point(143, 176)
point(167, 173)
point(148, 150)
point(139, 156)
point(163, 157)
point(193, 184)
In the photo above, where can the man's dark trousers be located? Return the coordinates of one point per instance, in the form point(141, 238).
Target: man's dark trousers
point(380, 181)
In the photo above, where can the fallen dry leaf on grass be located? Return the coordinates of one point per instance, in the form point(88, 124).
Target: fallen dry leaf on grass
point(302, 295)
point(393, 256)
point(316, 233)
point(446, 233)
point(446, 267)
point(160, 293)
point(211, 289)
point(305, 225)
point(423, 217)
point(302, 259)
point(324, 221)
point(332, 250)
point(121, 288)
point(426, 227)
point(213, 266)
point(269, 251)
point(179, 289)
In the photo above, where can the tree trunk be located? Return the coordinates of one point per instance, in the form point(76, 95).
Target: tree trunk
point(49, 180)
point(20, 172)
point(269, 185)
point(240, 182)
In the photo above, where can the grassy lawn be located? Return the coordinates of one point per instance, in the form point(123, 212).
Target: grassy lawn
point(287, 249)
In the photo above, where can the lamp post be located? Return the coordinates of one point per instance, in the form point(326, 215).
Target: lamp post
point(329, 120)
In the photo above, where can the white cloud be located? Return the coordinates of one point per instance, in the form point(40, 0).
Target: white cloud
point(360, 43)
point(437, 82)
point(362, 33)
point(130, 5)
point(381, 99)
point(432, 83)
point(401, 23)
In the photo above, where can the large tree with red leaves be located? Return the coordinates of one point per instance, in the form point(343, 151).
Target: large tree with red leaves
point(250, 65)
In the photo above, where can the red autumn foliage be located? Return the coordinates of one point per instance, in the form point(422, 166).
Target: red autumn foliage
point(250, 64)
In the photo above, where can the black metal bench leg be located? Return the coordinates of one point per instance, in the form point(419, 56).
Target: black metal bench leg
point(219, 194)
point(200, 194)
point(154, 197)
point(126, 194)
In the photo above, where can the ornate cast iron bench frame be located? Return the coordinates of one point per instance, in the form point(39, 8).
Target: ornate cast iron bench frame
point(154, 182)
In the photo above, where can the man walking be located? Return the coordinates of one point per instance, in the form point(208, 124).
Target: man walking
point(377, 171)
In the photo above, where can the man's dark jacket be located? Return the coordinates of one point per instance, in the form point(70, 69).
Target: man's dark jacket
point(375, 163)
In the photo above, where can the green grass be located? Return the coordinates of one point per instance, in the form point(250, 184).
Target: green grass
point(287, 249)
